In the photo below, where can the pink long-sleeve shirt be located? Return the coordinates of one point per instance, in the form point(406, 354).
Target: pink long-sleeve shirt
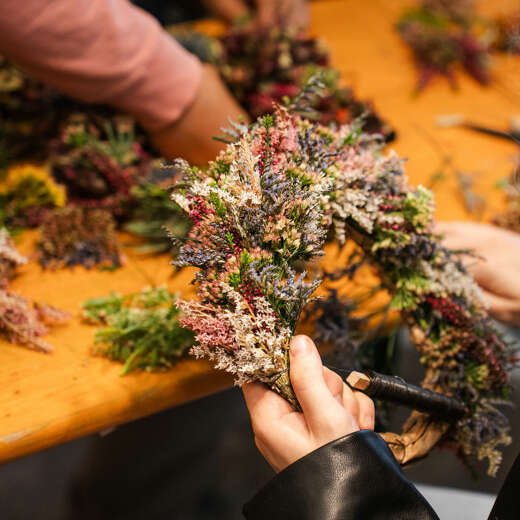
point(102, 51)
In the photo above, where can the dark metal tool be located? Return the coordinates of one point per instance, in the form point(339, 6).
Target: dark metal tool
point(511, 134)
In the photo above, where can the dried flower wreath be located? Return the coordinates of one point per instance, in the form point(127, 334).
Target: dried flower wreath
point(268, 202)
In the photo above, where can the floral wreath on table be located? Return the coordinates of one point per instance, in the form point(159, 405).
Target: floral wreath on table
point(267, 204)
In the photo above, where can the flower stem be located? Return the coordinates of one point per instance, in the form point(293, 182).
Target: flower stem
point(282, 385)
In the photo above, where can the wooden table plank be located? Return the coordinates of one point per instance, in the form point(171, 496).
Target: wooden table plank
point(49, 399)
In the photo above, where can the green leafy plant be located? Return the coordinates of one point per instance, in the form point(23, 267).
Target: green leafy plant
point(140, 330)
point(156, 218)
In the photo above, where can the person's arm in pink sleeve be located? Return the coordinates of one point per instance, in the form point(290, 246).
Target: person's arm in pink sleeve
point(111, 52)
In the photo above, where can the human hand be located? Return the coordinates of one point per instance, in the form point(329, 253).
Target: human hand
point(291, 13)
point(191, 137)
point(497, 266)
point(331, 409)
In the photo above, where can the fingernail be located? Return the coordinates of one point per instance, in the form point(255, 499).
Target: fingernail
point(300, 346)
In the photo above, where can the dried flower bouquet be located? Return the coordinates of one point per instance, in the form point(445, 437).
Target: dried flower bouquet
point(268, 202)
point(22, 321)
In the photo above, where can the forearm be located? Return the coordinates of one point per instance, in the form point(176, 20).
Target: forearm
point(102, 51)
point(352, 478)
point(229, 10)
point(192, 135)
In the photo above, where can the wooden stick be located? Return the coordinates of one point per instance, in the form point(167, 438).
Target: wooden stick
point(396, 390)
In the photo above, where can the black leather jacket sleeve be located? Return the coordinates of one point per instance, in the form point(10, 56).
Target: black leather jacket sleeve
point(353, 478)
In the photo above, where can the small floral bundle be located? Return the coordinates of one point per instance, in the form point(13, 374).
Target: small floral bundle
point(10, 258)
point(141, 330)
point(508, 33)
point(264, 66)
point(24, 323)
point(27, 193)
point(443, 34)
point(77, 236)
point(21, 321)
point(99, 160)
point(268, 202)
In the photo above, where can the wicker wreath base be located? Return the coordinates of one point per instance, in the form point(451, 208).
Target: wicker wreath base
point(420, 434)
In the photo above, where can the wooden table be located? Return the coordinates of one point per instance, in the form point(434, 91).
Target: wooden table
point(49, 399)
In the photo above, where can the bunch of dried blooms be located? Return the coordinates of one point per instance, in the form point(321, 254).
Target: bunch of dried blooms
point(99, 160)
point(27, 193)
point(10, 258)
point(263, 66)
point(24, 323)
point(442, 35)
point(78, 236)
point(508, 33)
point(140, 330)
point(268, 201)
point(97, 154)
point(21, 321)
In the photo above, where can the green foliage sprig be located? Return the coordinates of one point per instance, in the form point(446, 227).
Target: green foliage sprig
point(140, 330)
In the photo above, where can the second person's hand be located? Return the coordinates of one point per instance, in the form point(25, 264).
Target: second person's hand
point(290, 13)
point(191, 137)
point(496, 267)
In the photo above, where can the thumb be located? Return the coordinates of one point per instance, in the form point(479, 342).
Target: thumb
point(306, 373)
